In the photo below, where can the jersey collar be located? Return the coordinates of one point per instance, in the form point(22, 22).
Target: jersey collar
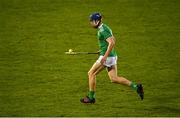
point(100, 26)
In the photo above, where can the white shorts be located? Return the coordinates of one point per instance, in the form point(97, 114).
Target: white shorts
point(110, 61)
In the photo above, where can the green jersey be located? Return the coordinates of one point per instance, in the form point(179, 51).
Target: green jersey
point(105, 32)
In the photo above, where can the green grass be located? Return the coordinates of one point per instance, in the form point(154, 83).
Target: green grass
point(38, 79)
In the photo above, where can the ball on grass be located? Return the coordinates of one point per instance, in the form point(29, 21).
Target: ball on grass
point(70, 50)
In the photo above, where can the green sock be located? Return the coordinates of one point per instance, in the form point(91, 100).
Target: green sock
point(133, 86)
point(91, 94)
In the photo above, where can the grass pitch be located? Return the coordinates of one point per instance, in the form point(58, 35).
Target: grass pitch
point(38, 79)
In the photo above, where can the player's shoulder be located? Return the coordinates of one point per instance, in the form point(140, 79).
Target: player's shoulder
point(105, 28)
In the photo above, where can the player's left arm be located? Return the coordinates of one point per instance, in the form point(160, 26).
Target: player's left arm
point(111, 43)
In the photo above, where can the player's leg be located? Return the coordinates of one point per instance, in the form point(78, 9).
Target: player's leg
point(112, 72)
point(95, 69)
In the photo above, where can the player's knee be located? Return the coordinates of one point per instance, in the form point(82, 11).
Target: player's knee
point(91, 73)
point(113, 79)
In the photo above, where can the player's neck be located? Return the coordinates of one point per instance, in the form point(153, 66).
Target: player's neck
point(100, 25)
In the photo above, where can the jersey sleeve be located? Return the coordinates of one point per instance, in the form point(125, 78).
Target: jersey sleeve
point(106, 34)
